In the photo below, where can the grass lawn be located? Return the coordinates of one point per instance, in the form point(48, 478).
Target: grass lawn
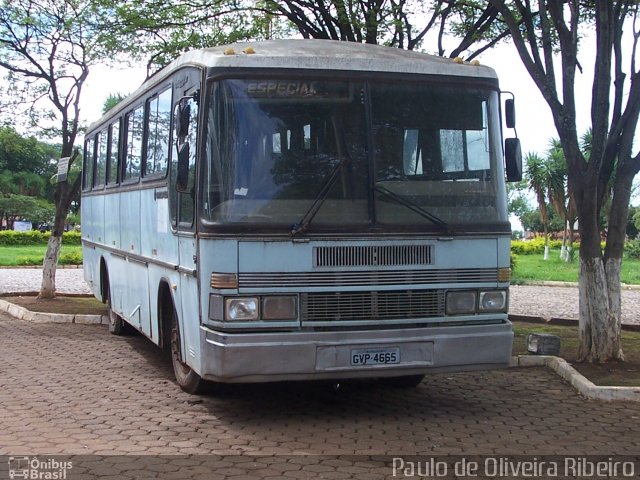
point(11, 256)
point(534, 267)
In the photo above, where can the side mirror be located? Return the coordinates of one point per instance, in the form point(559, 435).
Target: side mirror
point(182, 174)
point(182, 119)
point(513, 159)
point(510, 113)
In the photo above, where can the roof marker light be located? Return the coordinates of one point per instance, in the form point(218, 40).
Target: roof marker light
point(458, 60)
point(249, 51)
point(475, 63)
point(229, 51)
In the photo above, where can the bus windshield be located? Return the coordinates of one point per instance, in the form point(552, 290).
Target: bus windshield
point(385, 155)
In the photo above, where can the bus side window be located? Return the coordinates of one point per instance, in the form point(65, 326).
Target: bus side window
point(183, 164)
point(134, 129)
point(114, 150)
point(159, 121)
point(101, 160)
point(87, 172)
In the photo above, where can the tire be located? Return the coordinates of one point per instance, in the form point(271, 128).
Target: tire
point(186, 378)
point(406, 381)
point(116, 323)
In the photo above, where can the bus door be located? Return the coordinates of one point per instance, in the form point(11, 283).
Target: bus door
point(187, 299)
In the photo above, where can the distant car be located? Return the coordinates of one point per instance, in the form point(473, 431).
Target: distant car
point(44, 227)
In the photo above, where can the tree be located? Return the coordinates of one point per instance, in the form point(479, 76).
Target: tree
point(162, 29)
point(538, 37)
point(46, 49)
point(633, 229)
point(25, 165)
point(559, 196)
point(112, 100)
point(24, 154)
point(538, 175)
point(636, 219)
point(34, 210)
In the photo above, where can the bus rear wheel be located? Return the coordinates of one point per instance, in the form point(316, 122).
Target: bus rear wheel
point(187, 379)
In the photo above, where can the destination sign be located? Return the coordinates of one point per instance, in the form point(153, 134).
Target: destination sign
point(300, 89)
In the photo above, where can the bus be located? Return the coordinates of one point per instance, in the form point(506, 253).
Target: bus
point(306, 210)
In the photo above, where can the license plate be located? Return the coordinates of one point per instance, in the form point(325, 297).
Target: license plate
point(375, 356)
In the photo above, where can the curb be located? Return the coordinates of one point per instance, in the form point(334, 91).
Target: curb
point(552, 283)
point(631, 327)
point(584, 386)
point(22, 313)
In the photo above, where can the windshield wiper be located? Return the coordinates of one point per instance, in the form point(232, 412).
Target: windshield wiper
point(302, 225)
point(412, 206)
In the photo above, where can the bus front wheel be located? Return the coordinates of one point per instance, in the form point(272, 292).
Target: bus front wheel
point(116, 323)
point(187, 379)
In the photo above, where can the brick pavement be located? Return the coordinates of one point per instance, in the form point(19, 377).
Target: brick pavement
point(75, 389)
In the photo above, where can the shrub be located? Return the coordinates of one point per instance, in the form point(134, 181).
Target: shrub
point(71, 238)
point(632, 249)
point(34, 237)
point(70, 259)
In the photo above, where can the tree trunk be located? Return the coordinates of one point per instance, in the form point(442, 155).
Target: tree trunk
point(563, 251)
point(599, 324)
point(50, 263)
point(64, 194)
point(48, 287)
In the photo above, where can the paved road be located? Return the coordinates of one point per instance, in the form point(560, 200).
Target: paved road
point(75, 389)
point(16, 280)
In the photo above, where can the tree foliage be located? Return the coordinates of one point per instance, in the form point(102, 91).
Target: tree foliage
point(160, 30)
point(15, 207)
point(112, 100)
point(25, 165)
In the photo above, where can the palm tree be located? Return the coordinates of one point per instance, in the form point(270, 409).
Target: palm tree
point(538, 175)
point(557, 183)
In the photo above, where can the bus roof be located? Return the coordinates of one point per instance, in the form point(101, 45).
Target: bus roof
point(313, 55)
point(331, 55)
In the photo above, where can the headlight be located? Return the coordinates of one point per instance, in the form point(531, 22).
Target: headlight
point(279, 308)
point(459, 302)
point(241, 309)
point(493, 301)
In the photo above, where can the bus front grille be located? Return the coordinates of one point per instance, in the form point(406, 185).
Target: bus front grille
point(371, 306)
point(366, 278)
point(372, 255)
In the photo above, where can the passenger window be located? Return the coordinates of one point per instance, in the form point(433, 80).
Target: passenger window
point(87, 171)
point(159, 128)
point(101, 160)
point(134, 125)
point(114, 150)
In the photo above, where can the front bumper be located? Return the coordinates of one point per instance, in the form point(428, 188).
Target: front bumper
point(266, 357)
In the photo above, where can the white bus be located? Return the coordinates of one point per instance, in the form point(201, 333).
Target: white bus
point(305, 209)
